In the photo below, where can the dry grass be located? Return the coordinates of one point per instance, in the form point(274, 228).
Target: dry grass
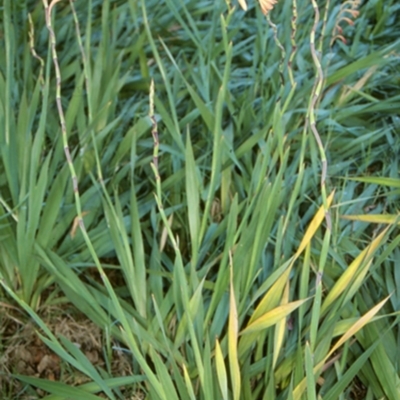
point(24, 353)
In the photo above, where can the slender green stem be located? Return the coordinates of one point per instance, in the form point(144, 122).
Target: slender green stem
point(282, 49)
point(158, 194)
point(315, 97)
point(125, 324)
point(88, 89)
point(7, 26)
point(31, 34)
point(60, 109)
point(324, 25)
point(154, 133)
point(293, 23)
point(154, 167)
point(84, 60)
point(67, 152)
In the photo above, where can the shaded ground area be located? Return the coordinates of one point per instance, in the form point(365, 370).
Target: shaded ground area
point(23, 352)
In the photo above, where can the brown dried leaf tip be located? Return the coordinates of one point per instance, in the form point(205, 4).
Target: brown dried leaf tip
point(267, 5)
point(243, 4)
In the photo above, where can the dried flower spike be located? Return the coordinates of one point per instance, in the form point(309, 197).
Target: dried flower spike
point(266, 5)
point(338, 31)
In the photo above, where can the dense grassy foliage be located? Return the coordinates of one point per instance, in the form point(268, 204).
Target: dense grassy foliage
point(216, 190)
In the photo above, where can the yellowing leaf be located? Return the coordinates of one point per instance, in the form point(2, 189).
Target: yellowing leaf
point(375, 218)
point(221, 371)
point(272, 297)
point(272, 317)
point(359, 324)
point(347, 277)
point(233, 329)
point(314, 225)
point(280, 329)
point(188, 383)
